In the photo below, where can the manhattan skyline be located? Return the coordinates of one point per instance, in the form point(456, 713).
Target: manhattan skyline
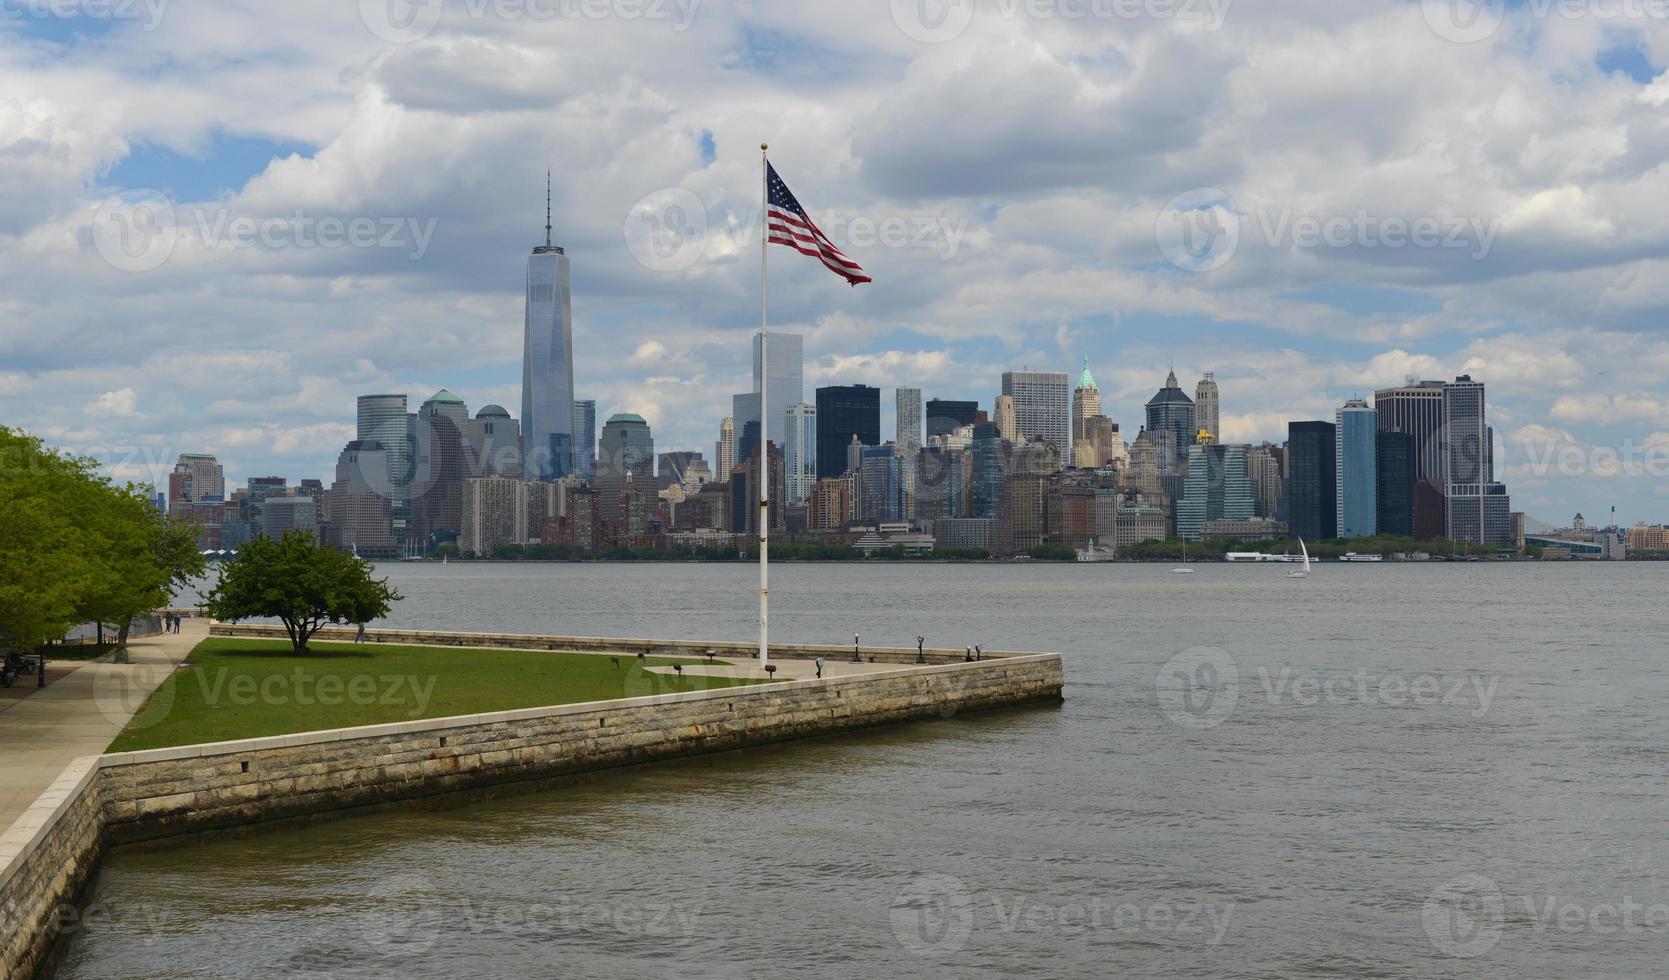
point(1049, 246)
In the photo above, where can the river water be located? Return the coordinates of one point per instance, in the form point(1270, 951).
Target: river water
point(1392, 770)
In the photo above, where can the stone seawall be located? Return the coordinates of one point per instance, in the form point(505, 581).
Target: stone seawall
point(224, 786)
point(597, 644)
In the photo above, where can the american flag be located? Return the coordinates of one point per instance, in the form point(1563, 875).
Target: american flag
point(789, 225)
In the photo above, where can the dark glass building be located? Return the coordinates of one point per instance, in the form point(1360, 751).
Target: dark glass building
point(985, 486)
point(945, 417)
point(844, 411)
point(1395, 474)
point(1312, 491)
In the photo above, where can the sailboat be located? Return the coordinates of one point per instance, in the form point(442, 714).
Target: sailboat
point(1295, 573)
point(1184, 570)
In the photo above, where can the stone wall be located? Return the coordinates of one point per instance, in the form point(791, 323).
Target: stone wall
point(595, 644)
point(45, 858)
point(225, 786)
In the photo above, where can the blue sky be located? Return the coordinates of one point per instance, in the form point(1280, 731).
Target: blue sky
point(1026, 190)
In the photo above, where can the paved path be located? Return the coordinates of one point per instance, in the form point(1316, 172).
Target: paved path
point(79, 714)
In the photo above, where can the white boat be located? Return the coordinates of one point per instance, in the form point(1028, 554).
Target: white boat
point(1096, 553)
point(1353, 556)
point(1295, 573)
point(1184, 570)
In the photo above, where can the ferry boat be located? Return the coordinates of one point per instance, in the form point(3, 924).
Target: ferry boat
point(1353, 556)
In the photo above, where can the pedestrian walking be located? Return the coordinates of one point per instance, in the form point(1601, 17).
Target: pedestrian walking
point(360, 636)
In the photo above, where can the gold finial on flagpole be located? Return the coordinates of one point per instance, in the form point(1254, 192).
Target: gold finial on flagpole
point(764, 146)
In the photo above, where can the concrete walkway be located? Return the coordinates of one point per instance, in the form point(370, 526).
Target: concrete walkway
point(79, 714)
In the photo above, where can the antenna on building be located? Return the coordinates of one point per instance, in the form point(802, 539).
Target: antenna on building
point(547, 209)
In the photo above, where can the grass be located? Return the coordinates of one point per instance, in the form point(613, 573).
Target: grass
point(251, 688)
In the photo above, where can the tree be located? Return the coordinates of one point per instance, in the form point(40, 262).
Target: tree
point(143, 558)
point(47, 568)
point(301, 585)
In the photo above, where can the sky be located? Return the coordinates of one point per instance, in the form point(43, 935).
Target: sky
point(222, 220)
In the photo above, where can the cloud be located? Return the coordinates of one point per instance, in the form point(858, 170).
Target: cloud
point(120, 404)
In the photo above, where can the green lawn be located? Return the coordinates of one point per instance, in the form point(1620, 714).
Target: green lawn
point(251, 688)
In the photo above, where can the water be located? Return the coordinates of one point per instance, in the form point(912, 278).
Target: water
point(1480, 792)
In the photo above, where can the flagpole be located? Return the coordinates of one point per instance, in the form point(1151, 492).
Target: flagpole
point(764, 427)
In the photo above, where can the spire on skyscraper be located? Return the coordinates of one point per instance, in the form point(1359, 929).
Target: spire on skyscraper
point(1087, 380)
point(547, 209)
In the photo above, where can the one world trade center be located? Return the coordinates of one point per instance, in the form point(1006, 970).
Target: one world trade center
point(548, 363)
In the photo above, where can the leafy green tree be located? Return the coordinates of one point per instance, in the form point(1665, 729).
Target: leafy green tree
point(143, 557)
point(301, 585)
point(47, 566)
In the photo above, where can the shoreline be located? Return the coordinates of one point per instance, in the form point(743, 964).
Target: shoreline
point(187, 792)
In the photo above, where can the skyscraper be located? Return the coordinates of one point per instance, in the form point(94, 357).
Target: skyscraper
point(1042, 407)
point(724, 451)
point(1003, 418)
point(786, 377)
point(548, 362)
point(438, 469)
point(205, 478)
point(881, 494)
point(1417, 409)
point(1395, 471)
point(585, 439)
point(799, 454)
point(1312, 496)
point(1477, 509)
point(382, 420)
point(1170, 419)
point(909, 445)
point(1355, 469)
point(945, 417)
point(1170, 426)
point(626, 447)
point(1086, 404)
point(1206, 407)
point(1217, 489)
point(985, 488)
point(744, 408)
point(845, 411)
